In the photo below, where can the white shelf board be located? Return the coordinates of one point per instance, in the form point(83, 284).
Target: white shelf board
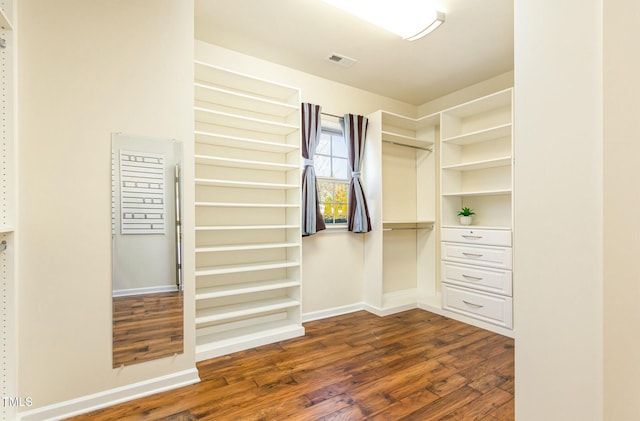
point(407, 224)
point(496, 192)
point(244, 184)
point(243, 227)
point(5, 23)
point(245, 205)
point(211, 138)
point(503, 161)
point(223, 343)
point(250, 267)
point(399, 139)
point(217, 314)
point(393, 119)
point(484, 135)
point(241, 247)
point(242, 82)
point(481, 105)
point(233, 99)
point(219, 118)
point(244, 288)
point(243, 163)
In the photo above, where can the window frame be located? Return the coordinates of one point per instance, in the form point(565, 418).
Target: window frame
point(333, 129)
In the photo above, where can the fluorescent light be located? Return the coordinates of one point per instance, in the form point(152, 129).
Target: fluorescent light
point(410, 19)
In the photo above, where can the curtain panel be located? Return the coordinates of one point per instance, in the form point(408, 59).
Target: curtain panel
point(312, 220)
point(354, 129)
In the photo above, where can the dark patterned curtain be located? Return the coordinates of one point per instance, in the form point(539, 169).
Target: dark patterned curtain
point(312, 221)
point(354, 129)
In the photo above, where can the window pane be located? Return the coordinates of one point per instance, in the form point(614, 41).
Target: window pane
point(341, 192)
point(324, 145)
point(341, 168)
point(322, 165)
point(339, 147)
point(325, 191)
point(327, 212)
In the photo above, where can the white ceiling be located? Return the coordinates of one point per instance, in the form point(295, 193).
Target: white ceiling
point(474, 44)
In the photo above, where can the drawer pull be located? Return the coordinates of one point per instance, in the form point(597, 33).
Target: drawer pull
point(473, 278)
point(472, 304)
point(472, 237)
point(472, 254)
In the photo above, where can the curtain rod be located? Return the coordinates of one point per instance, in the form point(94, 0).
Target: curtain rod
point(331, 115)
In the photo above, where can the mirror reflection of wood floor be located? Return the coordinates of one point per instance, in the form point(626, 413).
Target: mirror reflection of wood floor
point(413, 365)
point(147, 327)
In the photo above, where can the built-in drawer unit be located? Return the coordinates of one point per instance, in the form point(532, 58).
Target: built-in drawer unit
point(491, 256)
point(476, 236)
point(485, 279)
point(491, 308)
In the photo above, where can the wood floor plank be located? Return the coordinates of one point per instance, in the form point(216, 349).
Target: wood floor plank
point(413, 365)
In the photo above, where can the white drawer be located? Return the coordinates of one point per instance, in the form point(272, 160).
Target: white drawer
point(497, 257)
point(487, 307)
point(496, 281)
point(476, 236)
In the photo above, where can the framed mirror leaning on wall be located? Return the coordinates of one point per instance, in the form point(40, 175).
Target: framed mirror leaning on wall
point(146, 210)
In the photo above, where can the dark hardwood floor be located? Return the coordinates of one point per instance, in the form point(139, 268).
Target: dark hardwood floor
point(413, 365)
point(147, 327)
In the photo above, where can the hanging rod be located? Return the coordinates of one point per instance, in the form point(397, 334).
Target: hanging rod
point(408, 146)
point(331, 115)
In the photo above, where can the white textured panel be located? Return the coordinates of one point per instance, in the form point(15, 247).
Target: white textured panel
point(142, 193)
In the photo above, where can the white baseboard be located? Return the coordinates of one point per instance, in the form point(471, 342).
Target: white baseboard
point(331, 312)
point(111, 397)
point(146, 290)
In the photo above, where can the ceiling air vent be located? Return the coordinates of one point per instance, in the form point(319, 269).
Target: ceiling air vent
point(341, 60)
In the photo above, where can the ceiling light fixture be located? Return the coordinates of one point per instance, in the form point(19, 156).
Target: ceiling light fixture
point(410, 19)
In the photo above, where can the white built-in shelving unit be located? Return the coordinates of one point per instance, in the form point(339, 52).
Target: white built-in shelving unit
point(248, 239)
point(8, 358)
point(399, 171)
point(476, 171)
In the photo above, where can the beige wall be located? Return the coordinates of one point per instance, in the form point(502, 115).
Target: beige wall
point(87, 69)
point(332, 269)
point(621, 198)
point(558, 260)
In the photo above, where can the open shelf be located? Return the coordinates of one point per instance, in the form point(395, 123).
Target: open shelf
point(244, 288)
point(243, 163)
point(245, 205)
point(223, 342)
point(232, 99)
point(480, 135)
point(211, 138)
point(243, 184)
point(476, 162)
point(244, 227)
point(247, 170)
point(249, 267)
point(220, 118)
point(232, 311)
point(242, 247)
point(479, 193)
point(211, 74)
point(502, 161)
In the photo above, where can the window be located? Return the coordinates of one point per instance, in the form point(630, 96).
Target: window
point(331, 164)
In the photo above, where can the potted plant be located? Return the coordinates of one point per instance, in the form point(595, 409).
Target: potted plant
point(465, 215)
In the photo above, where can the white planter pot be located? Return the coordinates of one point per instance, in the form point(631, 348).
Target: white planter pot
point(465, 220)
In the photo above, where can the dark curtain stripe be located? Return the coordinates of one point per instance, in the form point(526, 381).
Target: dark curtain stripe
point(354, 129)
point(312, 221)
